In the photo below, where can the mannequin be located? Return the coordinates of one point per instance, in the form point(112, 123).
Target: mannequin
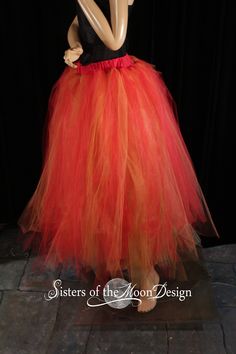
point(118, 190)
point(113, 38)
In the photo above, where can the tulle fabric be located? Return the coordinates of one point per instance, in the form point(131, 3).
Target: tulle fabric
point(118, 189)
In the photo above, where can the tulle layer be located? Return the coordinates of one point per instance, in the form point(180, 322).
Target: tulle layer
point(118, 189)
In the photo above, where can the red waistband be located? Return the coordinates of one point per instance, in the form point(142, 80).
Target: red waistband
point(120, 62)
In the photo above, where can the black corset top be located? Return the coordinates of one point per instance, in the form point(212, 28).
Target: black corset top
point(94, 49)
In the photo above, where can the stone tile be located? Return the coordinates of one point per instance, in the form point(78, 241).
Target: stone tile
point(221, 272)
point(123, 341)
point(211, 339)
point(26, 322)
point(68, 340)
point(9, 247)
point(10, 273)
point(234, 268)
point(185, 326)
point(73, 310)
point(207, 340)
point(225, 294)
point(182, 342)
point(37, 277)
point(228, 320)
point(223, 253)
point(69, 336)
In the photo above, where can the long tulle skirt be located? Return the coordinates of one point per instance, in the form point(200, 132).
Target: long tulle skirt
point(118, 189)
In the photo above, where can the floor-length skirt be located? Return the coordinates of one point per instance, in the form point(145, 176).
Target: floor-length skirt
point(118, 189)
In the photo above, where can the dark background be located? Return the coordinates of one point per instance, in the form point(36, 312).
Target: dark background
point(191, 42)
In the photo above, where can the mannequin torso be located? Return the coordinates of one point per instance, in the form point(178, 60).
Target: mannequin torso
point(94, 49)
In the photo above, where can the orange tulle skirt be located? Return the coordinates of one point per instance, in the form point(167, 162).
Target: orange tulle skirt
point(118, 189)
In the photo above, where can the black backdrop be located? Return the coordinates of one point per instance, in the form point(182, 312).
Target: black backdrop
point(191, 42)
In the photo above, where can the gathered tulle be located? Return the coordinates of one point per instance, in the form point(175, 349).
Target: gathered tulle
point(118, 189)
point(119, 62)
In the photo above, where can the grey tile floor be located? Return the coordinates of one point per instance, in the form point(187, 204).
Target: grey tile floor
point(206, 323)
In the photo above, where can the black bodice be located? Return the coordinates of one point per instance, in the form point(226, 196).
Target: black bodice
point(94, 49)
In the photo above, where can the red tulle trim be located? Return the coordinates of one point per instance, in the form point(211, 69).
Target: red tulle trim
point(121, 62)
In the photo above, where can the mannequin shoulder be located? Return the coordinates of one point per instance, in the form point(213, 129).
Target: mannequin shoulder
point(130, 2)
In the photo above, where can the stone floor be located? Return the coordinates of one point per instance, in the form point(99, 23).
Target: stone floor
point(204, 323)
